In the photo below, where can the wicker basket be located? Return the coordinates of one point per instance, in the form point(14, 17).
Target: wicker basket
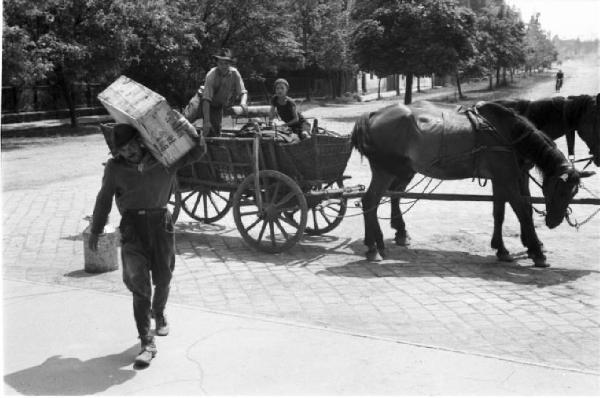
point(323, 157)
point(227, 160)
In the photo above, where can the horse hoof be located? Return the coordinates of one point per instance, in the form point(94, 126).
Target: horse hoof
point(373, 255)
point(540, 263)
point(539, 259)
point(382, 253)
point(505, 257)
point(402, 240)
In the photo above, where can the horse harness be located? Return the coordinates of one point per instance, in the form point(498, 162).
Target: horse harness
point(480, 127)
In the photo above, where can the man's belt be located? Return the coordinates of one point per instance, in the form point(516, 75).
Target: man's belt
point(141, 212)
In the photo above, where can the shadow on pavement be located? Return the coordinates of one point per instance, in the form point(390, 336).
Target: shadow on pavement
point(73, 237)
point(196, 240)
point(401, 262)
point(72, 376)
point(80, 273)
point(410, 263)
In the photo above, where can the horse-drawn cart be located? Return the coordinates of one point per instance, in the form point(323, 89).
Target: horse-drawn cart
point(265, 180)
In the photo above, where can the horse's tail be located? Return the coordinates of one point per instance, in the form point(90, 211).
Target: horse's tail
point(360, 134)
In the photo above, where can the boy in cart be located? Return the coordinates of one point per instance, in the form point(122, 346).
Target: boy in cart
point(141, 187)
point(284, 107)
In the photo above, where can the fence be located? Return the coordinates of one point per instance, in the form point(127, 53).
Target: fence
point(48, 98)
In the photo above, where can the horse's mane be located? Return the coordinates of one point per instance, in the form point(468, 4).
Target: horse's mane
point(541, 112)
point(519, 105)
point(533, 144)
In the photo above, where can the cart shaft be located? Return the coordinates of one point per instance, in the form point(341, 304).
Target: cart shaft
point(359, 191)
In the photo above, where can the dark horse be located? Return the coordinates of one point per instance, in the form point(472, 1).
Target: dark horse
point(555, 117)
point(439, 142)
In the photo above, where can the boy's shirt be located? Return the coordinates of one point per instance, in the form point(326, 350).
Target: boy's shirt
point(287, 110)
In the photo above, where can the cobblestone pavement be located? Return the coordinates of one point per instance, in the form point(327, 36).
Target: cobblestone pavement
point(446, 290)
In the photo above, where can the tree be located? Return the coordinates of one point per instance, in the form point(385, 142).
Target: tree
point(539, 50)
point(69, 40)
point(165, 42)
point(257, 31)
point(323, 33)
point(412, 38)
point(499, 39)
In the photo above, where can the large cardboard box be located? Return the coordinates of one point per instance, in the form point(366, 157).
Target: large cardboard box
point(130, 102)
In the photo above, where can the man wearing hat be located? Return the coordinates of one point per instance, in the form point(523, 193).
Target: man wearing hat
point(141, 187)
point(222, 87)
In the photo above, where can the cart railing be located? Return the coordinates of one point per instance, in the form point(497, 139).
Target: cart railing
point(229, 160)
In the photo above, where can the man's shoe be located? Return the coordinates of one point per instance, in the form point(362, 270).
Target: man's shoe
point(147, 353)
point(162, 327)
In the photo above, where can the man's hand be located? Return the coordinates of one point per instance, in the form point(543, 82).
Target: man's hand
point(93, 242)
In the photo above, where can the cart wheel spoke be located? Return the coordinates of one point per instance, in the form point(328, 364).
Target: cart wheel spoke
point(207, 205)
point(283, 231)
point(281, 195)
point(272, 231)
point(329, 214)
point(325, 216)
point(186, 197)
point(262, 231)
point(250, 213)
point(212, 202)
point(254, 224)
point(285, 199)
point(315, 221)
point(276, 190)
point(288, 219)
point(217, 193)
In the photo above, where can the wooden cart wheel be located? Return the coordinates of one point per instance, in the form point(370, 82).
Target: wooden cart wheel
point(265, 226)
point(205, 204)
point(325, 215)
point(174, 203)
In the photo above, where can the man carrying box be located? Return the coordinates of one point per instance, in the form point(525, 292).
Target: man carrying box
point(222, 87)
point(141, 187)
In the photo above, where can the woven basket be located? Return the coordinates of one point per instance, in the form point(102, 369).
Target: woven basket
point(322, 157)
point(227, 161)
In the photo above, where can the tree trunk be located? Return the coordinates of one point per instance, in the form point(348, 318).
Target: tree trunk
point(378, 88)
point(491, 80)
point(497, 76)
point(418, 84)
point(504, 82)
point(460, 94)
point(66, 91)
point(408, 92)
point(363, 82)
point(397, 84)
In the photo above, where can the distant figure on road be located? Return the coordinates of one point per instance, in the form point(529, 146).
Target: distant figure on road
point(141, 187)
point(559, 80)
point(223, 86)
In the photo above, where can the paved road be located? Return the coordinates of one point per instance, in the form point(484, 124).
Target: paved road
point(445, 291)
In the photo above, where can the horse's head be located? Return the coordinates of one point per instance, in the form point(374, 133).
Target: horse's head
point(559, 189)
point(588, 124)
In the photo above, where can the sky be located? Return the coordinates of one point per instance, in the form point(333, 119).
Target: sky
point(569, 19)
